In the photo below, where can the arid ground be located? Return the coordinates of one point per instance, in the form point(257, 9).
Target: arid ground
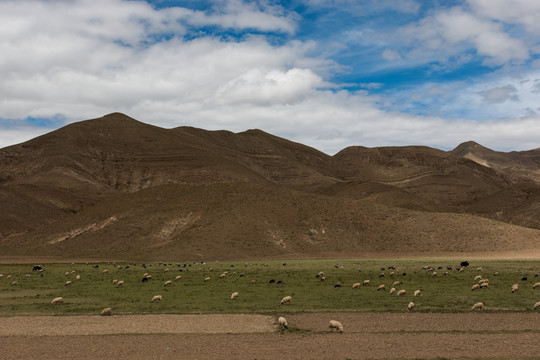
point(251, 336)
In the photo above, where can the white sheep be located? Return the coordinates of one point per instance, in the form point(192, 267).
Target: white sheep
point(57, 300)
point(410, 306)
point(253, 282)
point(401, 293)
point(365, 283)
point(478, 305)
point(14, 283)
point(356, 285)
point(381, 287)
point(106, 312)
point(537, 305)
point(417, 293)
point(477, 277)
point(68, 283)
point(334, 324)
point(206, 279)
point(115, 281)
point(537, 285)
point(120, 283)
point(234, 295)
point(392, 290)
point(475, 287)
point(157, 298)
point(78, 277)
point(167, 283)
point(178, 277)
point(286, 300)
point(479, 269)
point(396, 284)
point(515, 288)
point(283, 322)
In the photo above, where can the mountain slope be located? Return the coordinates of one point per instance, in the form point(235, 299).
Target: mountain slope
point(116, 187)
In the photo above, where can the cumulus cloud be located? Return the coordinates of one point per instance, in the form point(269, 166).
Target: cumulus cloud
point(449, 32)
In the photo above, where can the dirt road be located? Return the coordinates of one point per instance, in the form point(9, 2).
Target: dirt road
point(243, 336)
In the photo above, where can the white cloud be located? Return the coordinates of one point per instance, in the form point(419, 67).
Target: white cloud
point(452, 31)
point(519, 12)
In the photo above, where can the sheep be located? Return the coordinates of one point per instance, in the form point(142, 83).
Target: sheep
point(234, 295)
point(57, 300)
point(477, 277)
point(157, 298)
point(365, 283)
point(14, 283)
point(484, 285)
point(206, 279)
point(106, 312)
point(461, 270)
point(479, 269)
point(334, 324)
point(396, 284)
point(105, 271)
point(537, 285)
point(283, 322)
point(401, 293)
point(475, 287)
point(120, 283)
point(115, 281)
point(417, 293)
point(478, 305)
point(336, 285)
point(515, 288)
point(392, 290)
point(410, 306)
point(381, 287)
point(66, 274)
point(68, 283)
point(78, 277)
point(537, 305)
point(286, 300)
point(167, 283)
point(253, 282)
point(178, 277)
point(356, 285)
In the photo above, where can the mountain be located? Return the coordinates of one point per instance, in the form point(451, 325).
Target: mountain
point(114, 187)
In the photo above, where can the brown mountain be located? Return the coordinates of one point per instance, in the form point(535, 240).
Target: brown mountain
point(117, 188)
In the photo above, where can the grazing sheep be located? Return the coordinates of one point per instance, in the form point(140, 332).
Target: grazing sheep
point(410, 306)
point(381, 287)
point(417, 293)
point(478, 305)
point(156, 298)
point(253, 282)
point(167, 283)
point(78, 277)
point(115, 281)
point(461, 270)
point(337, 285)
point(178, 277)
point(496, 273)
point(356, 285)
point(475, 287)
point(484, 285)
point(1, 276)
point(537, 285)
point(286, 300)
point(68, 283)
point(206, 279)
point(477, 277)
point(57, 300)
point(234, 295)
point(66, 274)
point(515, 288)
point(392, 290)
point(283, 322)
point(334, 324)
point(106, 312)
point(537, 305)
point(434, 274)
point(105, 271)
point(365, 283)
point(14, 283)
point(479, 269)
point(396, 284)
point(401, 293)
point(120, 283)
point(323, 278)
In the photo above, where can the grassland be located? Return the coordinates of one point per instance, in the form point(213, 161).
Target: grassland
point(190, 294)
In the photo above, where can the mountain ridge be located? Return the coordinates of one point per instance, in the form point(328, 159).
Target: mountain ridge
point(115, 186)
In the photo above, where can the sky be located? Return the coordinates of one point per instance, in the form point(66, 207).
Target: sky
point(325, 73)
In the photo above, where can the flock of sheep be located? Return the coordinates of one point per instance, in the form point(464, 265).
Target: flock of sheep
point(480, 283)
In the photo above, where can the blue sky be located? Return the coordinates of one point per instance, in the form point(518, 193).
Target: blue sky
point(326, 73)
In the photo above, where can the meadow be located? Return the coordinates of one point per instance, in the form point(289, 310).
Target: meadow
point(297, 278)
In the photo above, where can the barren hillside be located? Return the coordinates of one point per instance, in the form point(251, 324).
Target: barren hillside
point(116, 187)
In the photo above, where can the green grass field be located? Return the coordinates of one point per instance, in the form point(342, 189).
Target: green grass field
point(190, 294)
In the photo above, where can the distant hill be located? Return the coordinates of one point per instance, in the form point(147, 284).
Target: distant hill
point(115, 187)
